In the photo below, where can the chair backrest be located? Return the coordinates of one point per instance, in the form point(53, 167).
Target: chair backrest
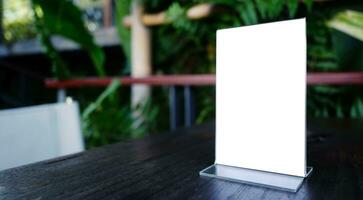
point(38, 133)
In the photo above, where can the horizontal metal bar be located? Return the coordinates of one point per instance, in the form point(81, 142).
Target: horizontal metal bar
point(316, 78)
point(335, 78)
point(169, 80)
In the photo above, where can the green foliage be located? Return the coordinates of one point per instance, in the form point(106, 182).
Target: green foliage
point(207, 102)
point(124, 33)
point(193, 44)
point(249, 14)
point(19, 30)
point(63, 18)
point(18, 22)
point(96, 104)
point(321, 55)
point(309, 4)
point(177, 15)
point(331, 51)
point(349, 22)
point(292, 7)
point(188, 46)
point(59, 68)
point(106, 120)
point(356, 110)
point(123, 9)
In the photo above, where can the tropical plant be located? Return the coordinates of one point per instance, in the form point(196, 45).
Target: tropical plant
point(335, 51)
point(188, 46)
point(18, 22)
point(193, 41)
point(63, 18)
point(106, 120)
point(349, 22)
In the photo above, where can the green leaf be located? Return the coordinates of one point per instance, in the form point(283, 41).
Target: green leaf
point(97, 104)
point(339, 111)
point(356, 111)
point(349, 22)
point(59, 68)
point(292, 6)
point(325, 89)
point(324, 65)
point(177, 16)
point(122, 10)
point(248, 14)
point(353, 111)
point(63, 18)
point(174, 12)
point(275, 8)
point(262, 7)
point(360, 107)
point(309, 4)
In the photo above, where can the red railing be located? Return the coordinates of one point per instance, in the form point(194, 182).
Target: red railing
point(321, 78)
point(192, 80)
point(335, 78)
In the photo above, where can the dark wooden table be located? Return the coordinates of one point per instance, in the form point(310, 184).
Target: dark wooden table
point(166, 166)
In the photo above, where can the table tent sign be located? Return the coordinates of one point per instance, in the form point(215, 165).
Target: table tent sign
point(261, 96)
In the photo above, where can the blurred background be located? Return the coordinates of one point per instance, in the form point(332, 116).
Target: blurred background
point(64, 39)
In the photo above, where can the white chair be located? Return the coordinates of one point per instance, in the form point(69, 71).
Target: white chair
point(38, 133)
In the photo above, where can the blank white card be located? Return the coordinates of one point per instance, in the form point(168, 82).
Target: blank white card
point(260, 117)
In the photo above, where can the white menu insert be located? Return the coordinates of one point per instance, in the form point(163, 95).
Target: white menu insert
point(261, 87)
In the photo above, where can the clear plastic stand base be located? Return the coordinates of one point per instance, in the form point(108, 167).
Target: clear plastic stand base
point(256, 177)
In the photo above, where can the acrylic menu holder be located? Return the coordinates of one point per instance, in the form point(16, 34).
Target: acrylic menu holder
point(261, 97)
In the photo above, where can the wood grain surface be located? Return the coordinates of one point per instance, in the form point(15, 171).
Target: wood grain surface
point(166, 166)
